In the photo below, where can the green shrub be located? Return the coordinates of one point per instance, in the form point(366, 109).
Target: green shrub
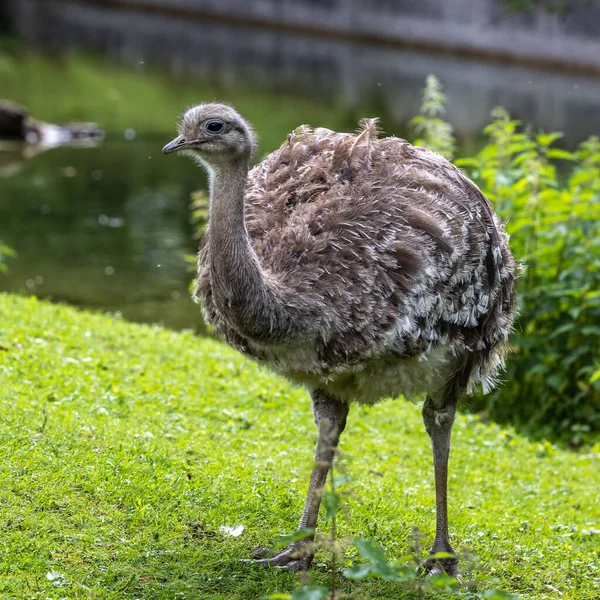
point(431, 129)
point(552, 383)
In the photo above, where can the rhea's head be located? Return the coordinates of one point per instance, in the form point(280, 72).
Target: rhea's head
point(214, 133)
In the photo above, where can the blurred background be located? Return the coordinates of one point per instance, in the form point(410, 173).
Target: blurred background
point(103, 220)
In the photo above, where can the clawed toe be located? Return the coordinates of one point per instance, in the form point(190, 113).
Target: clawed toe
point(259, 552)
point(294, 558)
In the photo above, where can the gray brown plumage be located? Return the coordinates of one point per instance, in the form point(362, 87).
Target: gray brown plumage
point(361, 268)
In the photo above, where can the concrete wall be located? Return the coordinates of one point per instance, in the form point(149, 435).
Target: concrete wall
point(473, 26)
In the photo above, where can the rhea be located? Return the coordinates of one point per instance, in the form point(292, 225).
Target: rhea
point(360, 268)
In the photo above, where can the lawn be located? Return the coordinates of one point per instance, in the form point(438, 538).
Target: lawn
point(125, 450)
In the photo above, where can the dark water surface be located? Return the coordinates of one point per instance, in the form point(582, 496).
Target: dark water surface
point(108, 227)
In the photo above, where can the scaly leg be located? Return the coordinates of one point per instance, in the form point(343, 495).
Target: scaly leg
point(438, 423)
point(438, 416)
point(330, 418)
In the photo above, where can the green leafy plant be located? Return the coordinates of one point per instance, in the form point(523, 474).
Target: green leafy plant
point(5, 253)
point(552, 383)
point(432, 131)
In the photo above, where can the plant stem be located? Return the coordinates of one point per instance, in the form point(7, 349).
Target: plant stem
point(333, 533)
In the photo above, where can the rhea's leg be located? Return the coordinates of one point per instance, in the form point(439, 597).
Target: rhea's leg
point(438, 423)
point(330, 418)
point(438, 416)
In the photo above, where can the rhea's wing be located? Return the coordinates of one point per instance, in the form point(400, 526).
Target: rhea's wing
point(385, 244)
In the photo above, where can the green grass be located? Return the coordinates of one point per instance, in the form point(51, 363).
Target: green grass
point(124, 449)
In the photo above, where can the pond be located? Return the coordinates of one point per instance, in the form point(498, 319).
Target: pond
point(108, 227)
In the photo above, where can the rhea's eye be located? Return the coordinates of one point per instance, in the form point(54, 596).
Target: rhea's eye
point(214, 127)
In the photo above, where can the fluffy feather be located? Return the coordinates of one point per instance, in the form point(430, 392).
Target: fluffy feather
point(392, 259)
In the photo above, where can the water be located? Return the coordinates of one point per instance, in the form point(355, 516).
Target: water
point(108, 227)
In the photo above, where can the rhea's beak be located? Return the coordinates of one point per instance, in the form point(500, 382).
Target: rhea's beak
point(177, 144)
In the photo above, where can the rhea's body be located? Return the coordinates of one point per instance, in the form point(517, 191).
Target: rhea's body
point(360, 268)
point(390, 260)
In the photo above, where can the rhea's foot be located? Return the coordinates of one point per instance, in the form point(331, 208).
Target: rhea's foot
point(437, 566)
point(296, 557)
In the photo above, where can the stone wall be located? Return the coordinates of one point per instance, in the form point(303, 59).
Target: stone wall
point(485, 27)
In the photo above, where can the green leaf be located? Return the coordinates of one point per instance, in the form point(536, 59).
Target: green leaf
point(340, 480)
point(556, 381)
point(467, 162)
point(442, 581)
point(332, 504)
point(525, 156)
point(562, 154)
point(545, 139)
point(439, 555)
point(562, 329)
point(590, 330)
point(300, 534)
point(370, 551)
point(359, 571)
point(310, 593)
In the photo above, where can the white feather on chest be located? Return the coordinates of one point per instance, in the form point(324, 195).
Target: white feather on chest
point(382, 376)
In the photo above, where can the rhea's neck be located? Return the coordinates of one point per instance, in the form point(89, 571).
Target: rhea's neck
point(227, 192)
point(248, 301)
